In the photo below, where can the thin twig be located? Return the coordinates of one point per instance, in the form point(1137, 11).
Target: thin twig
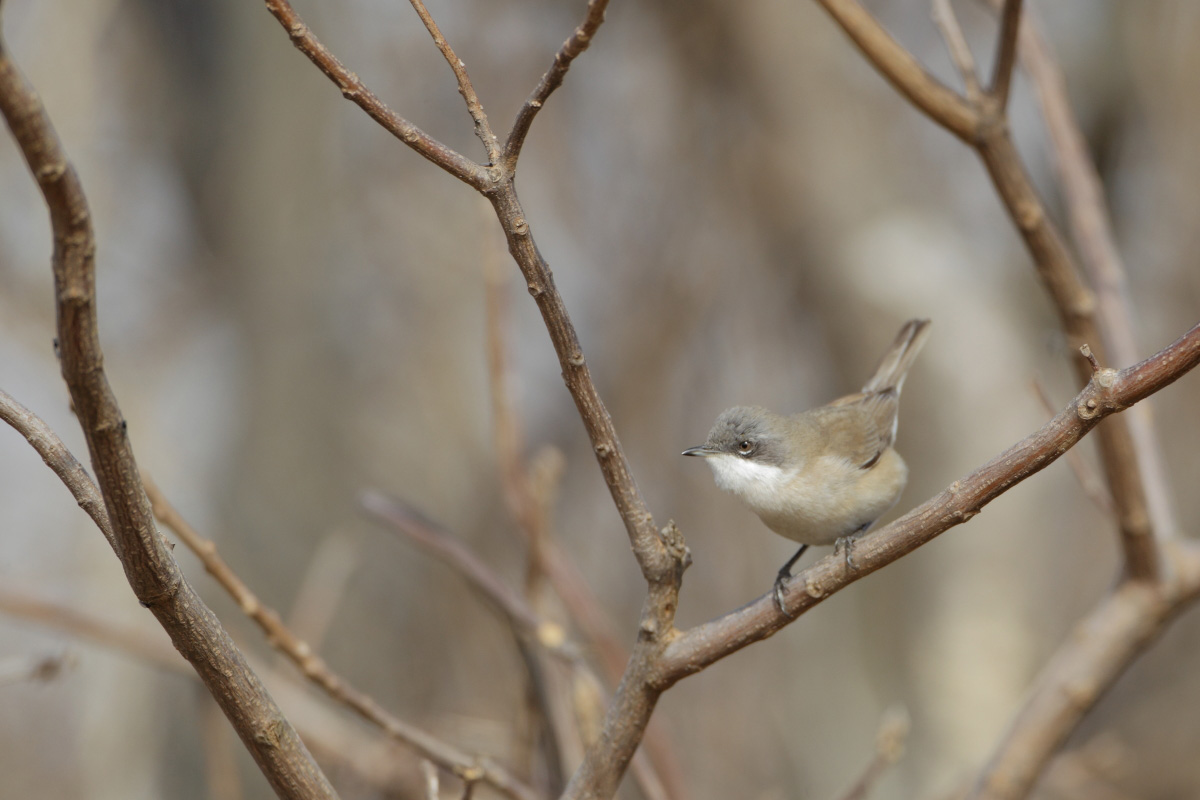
point(1089, 481)
point(483, 128)
point(1006, 53)
point(452, 550)
point(150, 569)
point(356, 91)
point(64, 464)
point(551, 80)
point(1112, 391)
point(316, 670)
point(1091, 230)
point(960, 52)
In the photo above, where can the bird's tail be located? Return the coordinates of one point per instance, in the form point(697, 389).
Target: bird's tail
point(899, 357)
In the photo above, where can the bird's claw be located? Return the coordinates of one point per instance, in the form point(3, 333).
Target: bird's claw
point(779, 582)
point(845, 544)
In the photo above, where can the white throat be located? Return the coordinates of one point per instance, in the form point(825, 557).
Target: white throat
point(759, 485)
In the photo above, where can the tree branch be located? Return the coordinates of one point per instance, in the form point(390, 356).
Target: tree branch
point(570, 50)
point(354, 90)
point(59, 459)
point(1087, 664)
point(903, 71)
point(1006, 53)
point(482, 128)
point(150, 569)
point(960, 52)
point(1091, 230)
point(1108, 392)
point(314, 668)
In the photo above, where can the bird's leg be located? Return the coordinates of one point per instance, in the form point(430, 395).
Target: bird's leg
point(846, 543)
point(785, 573)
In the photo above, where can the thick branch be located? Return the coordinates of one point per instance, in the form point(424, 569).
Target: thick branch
point(1086, 665)
point(570, 50)
point(1108, 392)
point(354, 90)
point(149, 566)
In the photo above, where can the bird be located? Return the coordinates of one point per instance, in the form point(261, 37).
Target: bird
point(822, 476)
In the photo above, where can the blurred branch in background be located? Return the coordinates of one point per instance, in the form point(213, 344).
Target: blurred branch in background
point(467, 768)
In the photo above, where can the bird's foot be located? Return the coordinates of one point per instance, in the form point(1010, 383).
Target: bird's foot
point(782, 578)
point(846, 544)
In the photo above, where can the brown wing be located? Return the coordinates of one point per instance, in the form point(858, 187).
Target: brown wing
point(861, 425)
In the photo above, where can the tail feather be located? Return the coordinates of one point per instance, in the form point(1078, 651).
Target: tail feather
point(895, 363)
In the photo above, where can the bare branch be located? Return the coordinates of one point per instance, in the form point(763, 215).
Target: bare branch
point(316, 670)
point(1091, 230)
point(903, 71)
point(454, 552)
point(1087, 664)
point(960, 52)
point(1110, 392)
point(60, 460)
point(354, 90)
point(149, 566)
point(1089, 481)
point(570, 50)
point(1006, 53)
point(482, 128)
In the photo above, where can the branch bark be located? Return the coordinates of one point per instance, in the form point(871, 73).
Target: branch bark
point(1096, 654)
point(149, 567)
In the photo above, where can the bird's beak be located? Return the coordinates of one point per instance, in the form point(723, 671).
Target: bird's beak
point(702, 451)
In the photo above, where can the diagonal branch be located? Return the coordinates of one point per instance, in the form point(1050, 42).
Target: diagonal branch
point(1087, 664)
point(483, 128)
point(1006, 53)
point(1091, 230)
point(1109, 392)
point(570, 50)
point(316, 670)
point(960, 52)
point(904, 72)
point(354, 90)
point(149, 566)
point(61, 460)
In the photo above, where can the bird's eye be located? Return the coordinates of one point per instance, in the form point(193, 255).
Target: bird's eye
point(746, 447)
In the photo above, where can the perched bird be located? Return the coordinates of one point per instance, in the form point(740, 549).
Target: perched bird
point(822, 476)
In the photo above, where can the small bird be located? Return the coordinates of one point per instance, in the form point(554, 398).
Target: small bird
point(822, 476)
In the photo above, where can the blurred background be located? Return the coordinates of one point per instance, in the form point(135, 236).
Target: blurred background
point(737, 210)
